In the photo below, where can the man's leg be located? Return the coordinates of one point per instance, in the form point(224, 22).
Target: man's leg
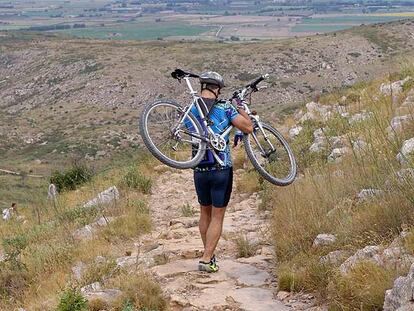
point(213, 232)
point(205, 219)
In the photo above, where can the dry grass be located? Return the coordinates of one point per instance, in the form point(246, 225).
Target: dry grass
point(140, 291)
point(324, 201)
point(249, 182)
point(363, 288)
point(41, 251)
point(245, 248)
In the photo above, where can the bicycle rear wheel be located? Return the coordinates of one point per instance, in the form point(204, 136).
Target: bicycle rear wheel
point(271, 155)
point(175, 145)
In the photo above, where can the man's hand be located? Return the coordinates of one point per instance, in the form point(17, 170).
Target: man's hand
point(243, 122)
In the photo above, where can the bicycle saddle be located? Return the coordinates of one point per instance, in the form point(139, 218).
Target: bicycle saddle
point(179, 74)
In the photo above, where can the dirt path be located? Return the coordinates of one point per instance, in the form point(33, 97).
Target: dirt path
point(175, 246)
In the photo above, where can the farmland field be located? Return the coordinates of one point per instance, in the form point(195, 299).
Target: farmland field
point(138, 31)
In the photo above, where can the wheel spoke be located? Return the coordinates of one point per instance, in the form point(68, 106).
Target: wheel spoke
point(179, 145)
point(270, 154)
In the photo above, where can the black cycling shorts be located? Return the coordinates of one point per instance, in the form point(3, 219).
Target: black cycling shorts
point(214, 187)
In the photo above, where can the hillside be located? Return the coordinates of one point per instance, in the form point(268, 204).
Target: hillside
point(54, 91)
point(336, 239)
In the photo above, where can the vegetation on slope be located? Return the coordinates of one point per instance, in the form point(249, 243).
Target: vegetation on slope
point(324, 200)
point(40, 248)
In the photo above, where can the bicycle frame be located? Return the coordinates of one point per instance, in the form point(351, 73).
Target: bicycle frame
point(210, 132)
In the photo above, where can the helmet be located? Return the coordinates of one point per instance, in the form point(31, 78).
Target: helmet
point(211, 77)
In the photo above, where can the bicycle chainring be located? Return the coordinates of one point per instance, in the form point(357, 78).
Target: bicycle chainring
point(218, 143)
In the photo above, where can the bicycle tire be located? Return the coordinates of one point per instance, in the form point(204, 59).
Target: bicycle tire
point(262, 171)
point(158, 153)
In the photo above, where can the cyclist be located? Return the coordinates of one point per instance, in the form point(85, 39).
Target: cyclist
point(213, 182)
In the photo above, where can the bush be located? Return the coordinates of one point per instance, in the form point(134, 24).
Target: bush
point(187, 210)
point(245, 248)
point(72, 300)
point(140, 291)
point(134, 179)
point(72, 178)
point(363, 288)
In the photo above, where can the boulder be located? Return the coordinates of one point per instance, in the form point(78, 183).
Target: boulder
point(84, 233)
point(337, 153)
point(366, 194)
point(368, 253)
point(398, 124)
point(105, 197)
point(359, 145)
point(333, 258)
point(94, 291)
point(393, 88)
point(405, 175)
point(295, 131)
point(401, 297)
point(316, 111)
point(324, 239)
point(78, 270)
point(406, 152)
point(359, 117)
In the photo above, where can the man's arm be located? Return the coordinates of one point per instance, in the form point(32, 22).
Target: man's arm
point(243, 122)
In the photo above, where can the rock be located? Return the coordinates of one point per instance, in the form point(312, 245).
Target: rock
point(406, 152)
point(405, 175)
point(84, 233)
point(78, 270)
point(359, 117)
point(334, 258)
point(316, 111)
point(101, 153)
point(245, 274)
point(52, 192)
point(126, 261)
point(91, 288)
point(401, 297)
point(108, 296)
point(102, 222)
point(295, 131)
point(282, 295)
point(407, 107)
point(338, 153)
point(368, 253)
point(359, 145)
point(396, 257)
point(324, 239)
point(393, 88)
point(105, 197)
point(257, 299)
point(399, 124)
point(366, 194)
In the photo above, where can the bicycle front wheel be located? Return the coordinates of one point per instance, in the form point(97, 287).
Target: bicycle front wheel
point(271, 155)
point(175, 144)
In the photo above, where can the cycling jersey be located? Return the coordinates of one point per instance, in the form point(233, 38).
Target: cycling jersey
point(221, 114)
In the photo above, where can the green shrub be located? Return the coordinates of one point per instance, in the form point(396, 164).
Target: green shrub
point(70, 179)
point(134, 179)
point(72, 300)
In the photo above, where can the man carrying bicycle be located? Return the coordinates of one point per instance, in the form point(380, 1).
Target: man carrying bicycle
point(213, 182)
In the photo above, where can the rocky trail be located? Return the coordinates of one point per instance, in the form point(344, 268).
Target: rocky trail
point(175, 246)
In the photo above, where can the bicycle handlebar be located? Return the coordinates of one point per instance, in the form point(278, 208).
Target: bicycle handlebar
point(179, 74)
point(255, 82)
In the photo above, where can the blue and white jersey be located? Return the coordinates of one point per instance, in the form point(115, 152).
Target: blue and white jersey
point(222, 113)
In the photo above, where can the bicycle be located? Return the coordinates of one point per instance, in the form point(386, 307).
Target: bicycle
point(184, 139)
